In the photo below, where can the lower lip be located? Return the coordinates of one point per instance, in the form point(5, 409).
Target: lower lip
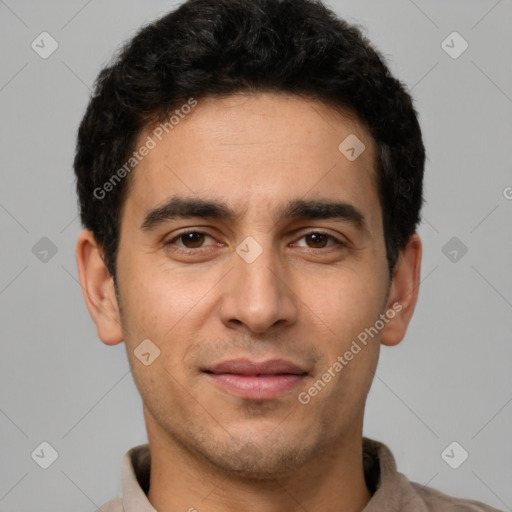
point(264, 387)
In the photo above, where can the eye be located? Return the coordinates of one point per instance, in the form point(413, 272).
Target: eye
point(191, 240)
point(318, 240)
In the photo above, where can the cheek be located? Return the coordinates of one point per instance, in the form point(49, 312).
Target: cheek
point(345, 304)
point(163, 304)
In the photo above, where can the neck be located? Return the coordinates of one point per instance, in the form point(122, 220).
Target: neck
point(182, 481)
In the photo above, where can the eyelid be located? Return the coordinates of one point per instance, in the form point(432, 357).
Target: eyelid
point(175, 236)
point(338, 239)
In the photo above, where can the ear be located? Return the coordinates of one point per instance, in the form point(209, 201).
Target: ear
point(98, 289)
point(403, 292)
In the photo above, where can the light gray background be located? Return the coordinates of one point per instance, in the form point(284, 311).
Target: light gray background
point(450, 380)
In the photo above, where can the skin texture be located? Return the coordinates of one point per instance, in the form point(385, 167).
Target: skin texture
point(303, 299)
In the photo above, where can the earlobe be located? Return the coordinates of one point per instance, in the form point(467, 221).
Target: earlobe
point(403, 293)
point(98, 289)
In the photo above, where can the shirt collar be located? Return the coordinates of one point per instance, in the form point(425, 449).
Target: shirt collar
point(135, 472)
point(392, 491)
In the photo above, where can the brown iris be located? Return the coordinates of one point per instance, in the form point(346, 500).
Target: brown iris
point(317, 240)
point(193, 240)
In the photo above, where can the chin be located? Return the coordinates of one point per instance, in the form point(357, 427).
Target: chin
point(260, 460)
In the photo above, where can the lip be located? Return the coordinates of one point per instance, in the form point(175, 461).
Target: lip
point(256, 381)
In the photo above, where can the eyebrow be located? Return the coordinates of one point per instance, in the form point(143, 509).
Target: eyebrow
point(183, 207)
point(323, 209)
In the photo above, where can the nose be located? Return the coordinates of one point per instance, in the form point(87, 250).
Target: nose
point(258, 295)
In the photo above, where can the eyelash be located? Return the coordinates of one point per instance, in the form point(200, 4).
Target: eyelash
point(170, 243)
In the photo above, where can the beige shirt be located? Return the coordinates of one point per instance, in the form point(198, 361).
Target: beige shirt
point(391, 491)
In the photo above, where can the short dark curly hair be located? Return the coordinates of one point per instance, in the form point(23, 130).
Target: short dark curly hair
point(216, 48)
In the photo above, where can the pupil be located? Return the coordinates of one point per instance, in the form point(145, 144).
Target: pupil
point(193, 239)
point(318, 239)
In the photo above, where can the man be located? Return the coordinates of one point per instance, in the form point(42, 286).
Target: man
point(250, 182)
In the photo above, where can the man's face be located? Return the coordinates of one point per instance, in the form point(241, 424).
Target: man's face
point(309, 279)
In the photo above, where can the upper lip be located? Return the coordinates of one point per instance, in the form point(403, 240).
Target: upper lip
point(252, 368)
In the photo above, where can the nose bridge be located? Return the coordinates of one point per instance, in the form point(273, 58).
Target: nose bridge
point(257, 267)
point(256, 294)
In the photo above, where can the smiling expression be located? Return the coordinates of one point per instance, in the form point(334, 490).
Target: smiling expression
point(252, 254)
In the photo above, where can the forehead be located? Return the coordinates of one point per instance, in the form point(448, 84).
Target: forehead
point(251, 150)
